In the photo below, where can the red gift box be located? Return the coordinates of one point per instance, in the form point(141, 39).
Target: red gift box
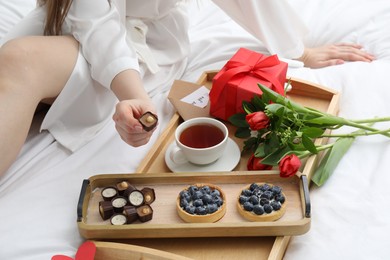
point(238, 81)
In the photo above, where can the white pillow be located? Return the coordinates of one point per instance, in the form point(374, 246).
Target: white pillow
point(11, 11)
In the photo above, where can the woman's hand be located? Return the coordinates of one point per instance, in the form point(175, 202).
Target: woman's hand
point(126, 117)
point(334, 54)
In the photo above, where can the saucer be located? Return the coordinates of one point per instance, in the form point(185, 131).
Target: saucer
point(227, 162)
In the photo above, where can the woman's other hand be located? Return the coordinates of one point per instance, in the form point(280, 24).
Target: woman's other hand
point(334, 54)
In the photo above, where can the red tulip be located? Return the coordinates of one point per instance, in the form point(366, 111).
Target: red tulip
point(254, 163)
point(257, 120)
point(289, 165)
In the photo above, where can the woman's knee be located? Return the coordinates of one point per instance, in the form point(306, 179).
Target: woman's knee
point(12, 55)
point(31, 64)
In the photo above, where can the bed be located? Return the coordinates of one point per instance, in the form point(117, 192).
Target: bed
point(350, 213)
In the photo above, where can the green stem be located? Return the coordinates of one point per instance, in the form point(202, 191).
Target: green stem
point(371, 120)
point(361, 133)
point(319, 148)
point(353, 124)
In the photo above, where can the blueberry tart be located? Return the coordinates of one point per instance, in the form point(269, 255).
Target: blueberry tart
point(261, 202)
point(201, 203)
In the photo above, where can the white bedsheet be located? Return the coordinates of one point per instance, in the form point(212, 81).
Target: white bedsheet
point(350, 213)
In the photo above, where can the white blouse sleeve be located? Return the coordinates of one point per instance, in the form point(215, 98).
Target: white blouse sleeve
point(274, 22)
point(97, 25)
point(31, 24)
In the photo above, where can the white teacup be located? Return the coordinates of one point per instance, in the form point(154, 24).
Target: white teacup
point(200, 140)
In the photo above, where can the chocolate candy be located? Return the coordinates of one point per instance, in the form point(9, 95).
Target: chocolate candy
point(127, 202)
point(136, 198)
point(109, 193)
point(123, 186)
point(105, 209)
point(148, 121)
point(149, 195)
point(145, 213)
point(131, 213)
point(118, 219)
point(129, 189)
point(119, 203)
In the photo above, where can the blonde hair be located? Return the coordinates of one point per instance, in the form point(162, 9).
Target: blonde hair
point(56, 13)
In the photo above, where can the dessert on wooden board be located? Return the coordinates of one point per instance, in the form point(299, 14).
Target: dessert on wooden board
point(261, 202)
point(201, 203)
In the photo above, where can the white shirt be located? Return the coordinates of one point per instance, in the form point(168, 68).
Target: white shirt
point(124, 34)
point(165, 25)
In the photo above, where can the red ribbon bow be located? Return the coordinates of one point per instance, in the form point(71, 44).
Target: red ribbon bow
point(252, 66)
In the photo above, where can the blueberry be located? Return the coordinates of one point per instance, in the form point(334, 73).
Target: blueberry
point(201, 210)
point(206, 189)
point(211, 208)
point(276, 189)
point(192, 189)
point(190, 209)
point(264, 201)
point(246, 192)
point(265, 187)
point(280, 198)
point(254, 200)
point(254, 186)
point(185, 195)
point(248, 206)
point(207, 198)
point(183, 203)
point(258, 209)
point(243, 199)
point(218, 201)
point(267, 194)
point(198, 202)
point(267, 208)
point(197, 195)
point(215, 193)
point(275, 205)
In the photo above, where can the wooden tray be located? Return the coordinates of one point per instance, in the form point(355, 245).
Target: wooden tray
point(253, 247)
point(166, 222)
point(271, 248)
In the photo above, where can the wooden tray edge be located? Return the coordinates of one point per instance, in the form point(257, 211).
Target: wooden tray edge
point(111, 250)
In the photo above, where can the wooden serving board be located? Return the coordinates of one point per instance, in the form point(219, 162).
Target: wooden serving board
point(166, 222)
point(228, 247)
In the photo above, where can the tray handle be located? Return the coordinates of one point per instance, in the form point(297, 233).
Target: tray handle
point(306, 196)
point(81, 200)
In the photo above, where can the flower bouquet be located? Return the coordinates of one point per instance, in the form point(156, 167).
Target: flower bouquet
point(281, 132)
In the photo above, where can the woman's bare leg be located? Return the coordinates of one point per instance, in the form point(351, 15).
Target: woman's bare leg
point(31, 69)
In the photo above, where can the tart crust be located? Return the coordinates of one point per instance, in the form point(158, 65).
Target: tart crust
point(208, 218)
point(250, 215)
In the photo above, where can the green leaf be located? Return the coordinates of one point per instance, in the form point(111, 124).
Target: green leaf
point(276, 109)
point(312, 132)
point(331, 159)
point(260, 151)
point(327, 120)
point(243, 132)
point(258, 103)
point(309, 144)
point(276, 156)
point(275, 97)
point(238, 120)
point(248, 107)
point(249, 143)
